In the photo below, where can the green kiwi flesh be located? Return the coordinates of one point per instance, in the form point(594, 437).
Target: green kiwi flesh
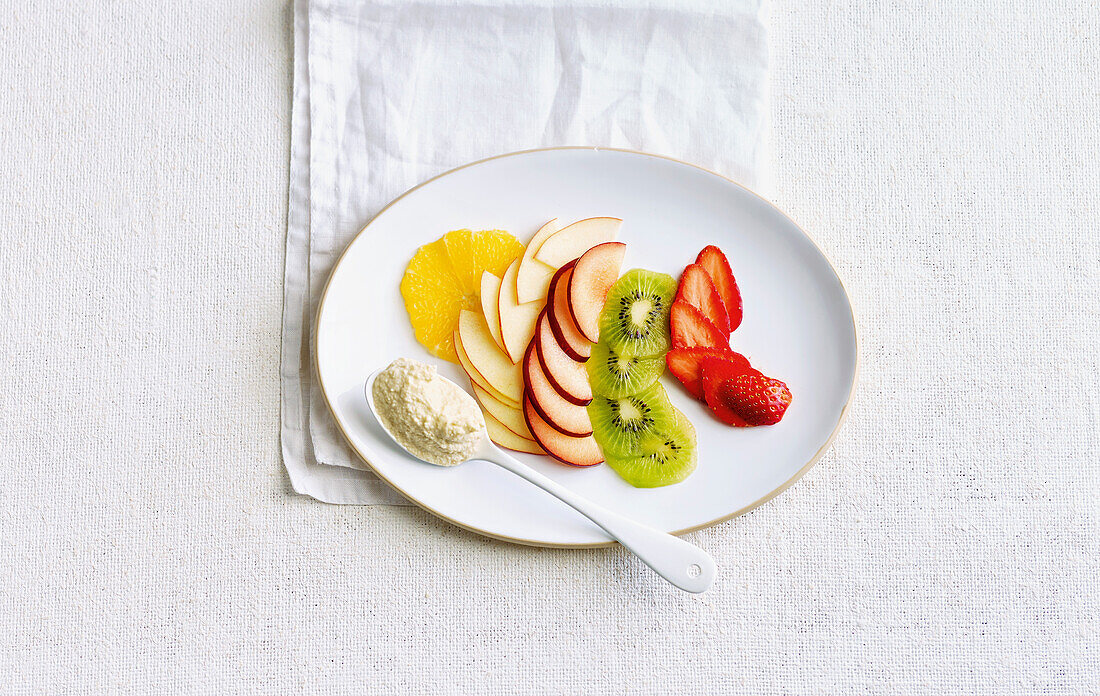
point(666, 455)
point(615, 375)
point(620, 424)
point(634, 320)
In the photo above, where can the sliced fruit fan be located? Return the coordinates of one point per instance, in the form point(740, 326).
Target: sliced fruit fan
point(564, 355)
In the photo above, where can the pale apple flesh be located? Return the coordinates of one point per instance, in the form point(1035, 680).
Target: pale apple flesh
point(568, 377)
point(572, 241)
point(504, 437)
point(575, 451)
point(487, 358)
point(569, 337)
point(534, 275)
point(490, 292)
point(567, 417)
point(475, 376)
point(593, 275)
point(517, 321)
point(509, 416)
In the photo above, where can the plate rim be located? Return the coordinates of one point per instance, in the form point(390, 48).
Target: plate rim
point(315, 358)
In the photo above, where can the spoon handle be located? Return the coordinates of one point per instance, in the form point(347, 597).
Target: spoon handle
point(684, 565)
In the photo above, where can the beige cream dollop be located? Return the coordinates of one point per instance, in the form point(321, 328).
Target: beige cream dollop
point(431, 417)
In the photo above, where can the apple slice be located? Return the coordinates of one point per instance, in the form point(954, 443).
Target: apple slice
point(504, 437)
point(487, 358)
point(509, 416)
point(569, 337)
point(567, 376)
point(490, 292)
point(567, 417)
point(534, 276)
point(517, 321)
point(593, 275)
point(573, 240)
point(574, 451)
point(475, 377)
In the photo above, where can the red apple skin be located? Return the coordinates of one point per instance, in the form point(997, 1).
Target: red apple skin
point(565, 417)
point(568, 336)
point(565, 374)
point(593, 275)
point(572, 451)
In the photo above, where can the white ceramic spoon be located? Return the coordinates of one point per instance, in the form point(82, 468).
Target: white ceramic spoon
point(686, 566)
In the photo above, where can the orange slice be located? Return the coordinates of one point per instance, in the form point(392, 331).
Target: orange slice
point(473, 253)
point(444, 277)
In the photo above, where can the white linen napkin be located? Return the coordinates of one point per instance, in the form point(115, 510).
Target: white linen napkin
point(390, 93)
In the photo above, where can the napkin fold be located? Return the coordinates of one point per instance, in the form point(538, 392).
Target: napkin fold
point(388, 94)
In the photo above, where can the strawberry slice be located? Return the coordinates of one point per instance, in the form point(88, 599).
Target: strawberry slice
point(687, 365)
point(718, 268)
point(691, 329)
point(757, 399)
point(716, 372)
point(698, 291)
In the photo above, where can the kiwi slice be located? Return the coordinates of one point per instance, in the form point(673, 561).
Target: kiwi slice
point(618, 424)
point(666, 455)
point(616, 374)
point(635, 316)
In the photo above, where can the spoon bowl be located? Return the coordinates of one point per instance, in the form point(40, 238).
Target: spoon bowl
point(484, 447)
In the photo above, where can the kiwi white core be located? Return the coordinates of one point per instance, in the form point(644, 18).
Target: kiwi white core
point(639, 311)
point(628, 411)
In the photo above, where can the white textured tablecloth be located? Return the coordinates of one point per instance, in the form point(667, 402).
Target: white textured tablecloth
point(948, 161)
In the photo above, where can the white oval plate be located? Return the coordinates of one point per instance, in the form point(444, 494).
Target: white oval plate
point(798, 327)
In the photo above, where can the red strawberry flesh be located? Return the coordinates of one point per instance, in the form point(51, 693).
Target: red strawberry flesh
point(757, 399)
point(717, 266)
point(690, 329)
point(698, 291)
point(687, 365)
point(716, 372)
